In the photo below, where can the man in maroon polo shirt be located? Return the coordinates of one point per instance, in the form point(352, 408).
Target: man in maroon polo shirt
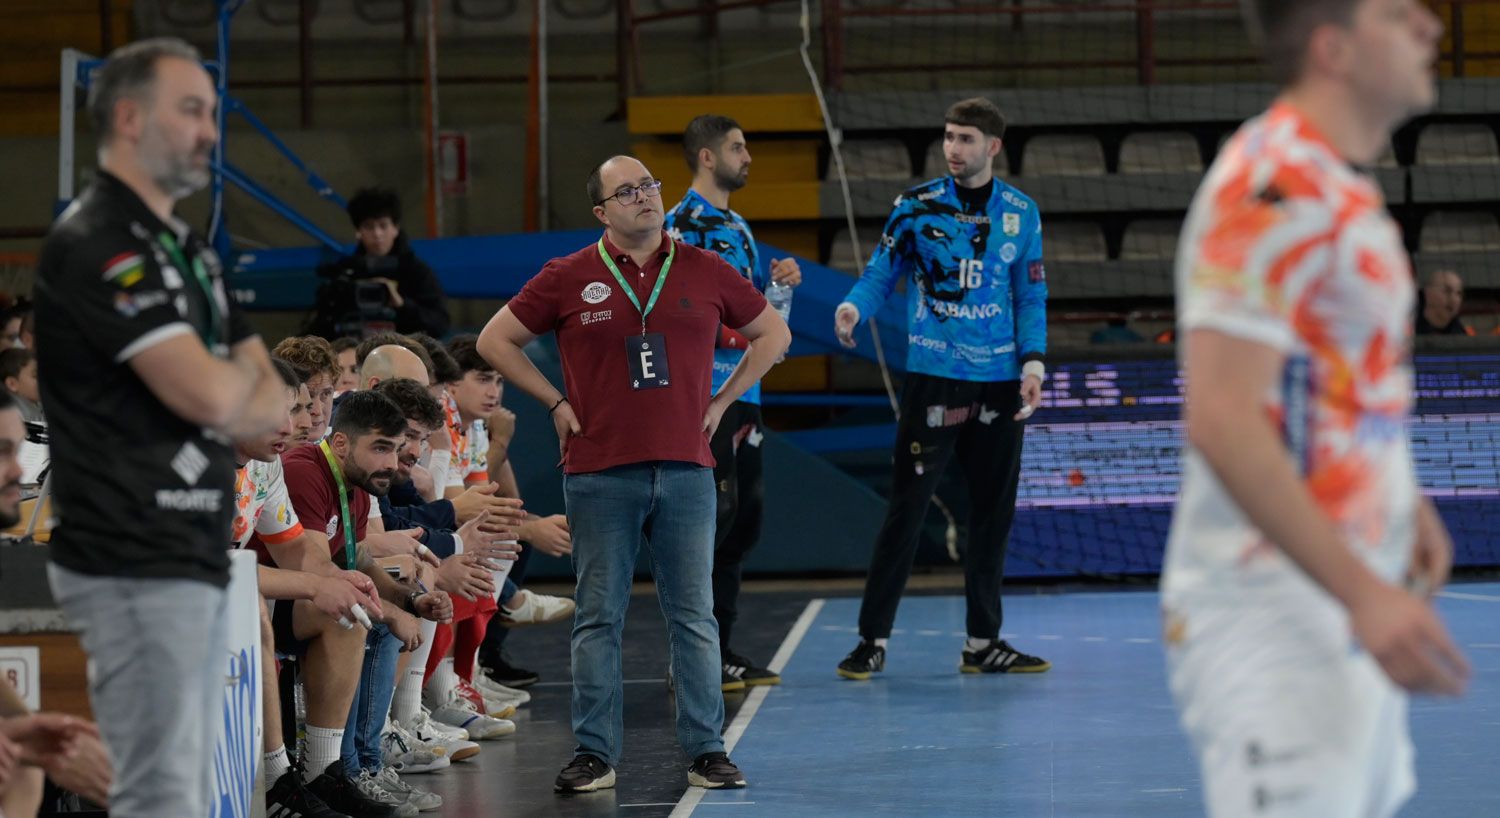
point(636, 316)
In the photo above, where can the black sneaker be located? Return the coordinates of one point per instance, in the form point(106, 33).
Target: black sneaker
point(290, 798)
point(730, 684)
point(360, 797)
point(1000, 657)
point(716, 772)
point(866, 658)
point(503, 672)
point(741, 669)
point(585, 773)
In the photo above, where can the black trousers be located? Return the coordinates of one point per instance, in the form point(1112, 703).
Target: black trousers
point(736, 447)
point(940, 418)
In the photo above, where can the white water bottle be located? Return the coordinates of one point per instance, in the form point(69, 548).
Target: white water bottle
point(779, 296)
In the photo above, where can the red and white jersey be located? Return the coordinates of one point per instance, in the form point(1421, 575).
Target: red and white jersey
point(1288, 246)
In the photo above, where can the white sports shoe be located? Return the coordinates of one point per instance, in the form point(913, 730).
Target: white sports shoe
point(454, 740)
point(401, 751)
point(528, 608)
point(423, 800)
point(460, 712)
point(439, 729)
point(499, 692)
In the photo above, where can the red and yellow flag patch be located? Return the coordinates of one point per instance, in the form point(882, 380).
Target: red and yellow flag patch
point(126, 269)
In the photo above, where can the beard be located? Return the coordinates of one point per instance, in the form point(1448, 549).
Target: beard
point(371, 482)
point(10, 515)
point(731, 181)
point(968, 172)
point(174, 172)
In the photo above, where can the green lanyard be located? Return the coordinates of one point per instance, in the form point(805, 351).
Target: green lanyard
point(338, 477)
point(211, 337)
point(661, 280)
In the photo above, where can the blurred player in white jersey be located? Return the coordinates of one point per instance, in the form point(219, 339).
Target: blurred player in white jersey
point(1303, 555)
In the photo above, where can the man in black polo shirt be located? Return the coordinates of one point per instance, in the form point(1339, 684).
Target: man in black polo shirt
point(152, 373)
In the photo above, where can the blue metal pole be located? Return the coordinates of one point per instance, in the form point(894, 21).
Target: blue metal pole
point(218, 229)
point(316, 182)
point(236, 177)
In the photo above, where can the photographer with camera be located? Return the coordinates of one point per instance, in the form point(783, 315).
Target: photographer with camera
point(383, 285)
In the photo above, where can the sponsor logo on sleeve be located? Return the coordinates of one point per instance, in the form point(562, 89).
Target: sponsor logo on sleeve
point(1011, 224)
point(130, 305)
point(1037, 272)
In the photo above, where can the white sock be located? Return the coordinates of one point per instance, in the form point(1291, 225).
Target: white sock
point(976, 644)
point(277, 763)
point(443, 682)
point(499, 579)
point(324, 746)
point(407, 702)
point(880, 643)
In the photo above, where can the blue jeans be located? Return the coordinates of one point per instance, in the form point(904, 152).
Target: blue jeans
point(377, 684)
point(671, 507)
point(156, 674)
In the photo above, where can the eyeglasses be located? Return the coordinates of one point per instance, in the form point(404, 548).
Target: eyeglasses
point(630, 194)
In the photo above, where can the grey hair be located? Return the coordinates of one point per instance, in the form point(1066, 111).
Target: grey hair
point(130, 73)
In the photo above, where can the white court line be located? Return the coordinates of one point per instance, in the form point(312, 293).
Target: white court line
point(747, 710)
point(1473, 597)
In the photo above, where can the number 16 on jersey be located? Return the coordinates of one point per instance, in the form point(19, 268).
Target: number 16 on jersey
point(970, 273)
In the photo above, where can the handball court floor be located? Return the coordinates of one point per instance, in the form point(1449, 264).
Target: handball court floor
point(1096, 736)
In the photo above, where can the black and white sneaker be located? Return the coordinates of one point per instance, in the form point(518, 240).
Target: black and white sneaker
point(999, 657)
point(290, 798)
point(716, 772)
point(503, 672)
point(865, 659)
point(741, 669)
point(361, 797)
point(585, 773)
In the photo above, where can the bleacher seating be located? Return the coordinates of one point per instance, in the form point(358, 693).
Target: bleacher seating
point(1444, 144)
point(1460, 231)
point(1063, 155)
point(1073, 241)
point(876, 159)
point(1151, 239)
point(1160, 152)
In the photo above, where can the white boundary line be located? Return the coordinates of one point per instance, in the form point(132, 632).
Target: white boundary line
point(747, 711)
point(1472, 597)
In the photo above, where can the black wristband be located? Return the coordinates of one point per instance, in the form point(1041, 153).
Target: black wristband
point(411, 601)
point(560, 401)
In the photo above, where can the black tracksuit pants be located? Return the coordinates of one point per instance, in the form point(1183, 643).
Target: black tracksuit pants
point(941, 418)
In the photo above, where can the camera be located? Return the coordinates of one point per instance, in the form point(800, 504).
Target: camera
point(350, 301)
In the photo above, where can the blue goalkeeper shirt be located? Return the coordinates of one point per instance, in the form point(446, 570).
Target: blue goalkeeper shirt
point(694, 221)
point(976, 288)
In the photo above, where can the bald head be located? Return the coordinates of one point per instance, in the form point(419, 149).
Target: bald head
point(391, 361)
point(637, 218)
point(1443, 297)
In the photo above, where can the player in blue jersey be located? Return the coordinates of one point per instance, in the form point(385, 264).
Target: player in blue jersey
point(715, 149)
point(970, 249)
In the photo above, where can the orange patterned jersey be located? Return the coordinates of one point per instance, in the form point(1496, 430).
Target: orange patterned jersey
point(470, 442)
point(261, 505)
point(1288, 246)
